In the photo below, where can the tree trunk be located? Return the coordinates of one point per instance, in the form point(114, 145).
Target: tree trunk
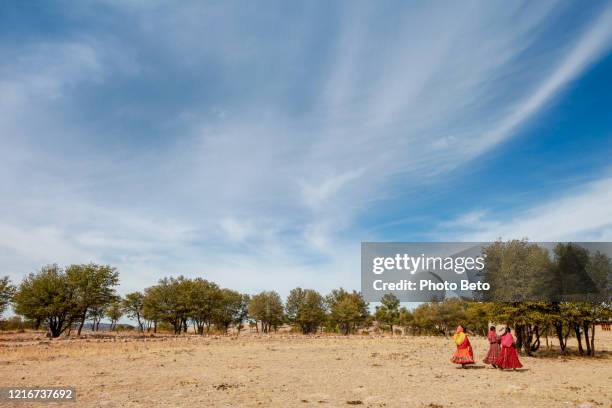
point(579, 338)
point(527, 338)
point(535, 346)
point(559, 331)
point(518, 330)
point(593, 339)
point(82, 324)
point(585, 328)
point(55, 326)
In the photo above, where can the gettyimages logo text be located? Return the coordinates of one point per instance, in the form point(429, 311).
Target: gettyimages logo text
point(412, 264)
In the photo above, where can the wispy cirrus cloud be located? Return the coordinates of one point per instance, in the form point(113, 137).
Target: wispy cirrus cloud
point(203, 140)
point(582, 214)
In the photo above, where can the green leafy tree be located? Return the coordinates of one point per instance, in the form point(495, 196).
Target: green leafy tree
point(171, 302)
point(96, 314)
point(228, 309)
point(524, 282)
point(477, 316)
point(572, 281)
point(600, 271)
point(133, 305)
point(267, 308)
point(114, 312)
point(543, 293)
point(423, 319)
point(204, 298)
point(441, 318)
point(242, 312)
point(305, 308)
point(48, 297)
point(449, 314)
point(151, 306)
point(388, 313)
point(7, 290)
point(347, 310)
point(518, 271)
point(571, 277)
point(94, 288)
point(405, 319)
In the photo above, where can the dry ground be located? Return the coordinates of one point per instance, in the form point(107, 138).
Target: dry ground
point(296, 371)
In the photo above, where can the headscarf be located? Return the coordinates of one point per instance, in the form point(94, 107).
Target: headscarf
point(459, 336)
point(493, 338)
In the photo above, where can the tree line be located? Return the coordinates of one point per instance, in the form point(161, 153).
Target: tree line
point(523, 274)
point(566, 292)
point(537, 293)
point(64, 299)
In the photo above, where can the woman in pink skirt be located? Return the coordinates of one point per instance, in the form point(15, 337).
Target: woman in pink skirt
point(509, 356)
point(494, 349)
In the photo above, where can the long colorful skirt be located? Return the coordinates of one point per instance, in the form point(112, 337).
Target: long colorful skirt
point(463, 356)
point(493, 354)
point(508, 358)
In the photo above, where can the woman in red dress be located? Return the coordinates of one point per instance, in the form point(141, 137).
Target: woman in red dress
point(464, 354)
point(494, 350)
point(509, 356)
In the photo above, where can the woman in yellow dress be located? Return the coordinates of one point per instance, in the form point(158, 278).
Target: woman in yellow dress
point(464, 354)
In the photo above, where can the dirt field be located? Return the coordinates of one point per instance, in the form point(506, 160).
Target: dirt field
point(296, 371)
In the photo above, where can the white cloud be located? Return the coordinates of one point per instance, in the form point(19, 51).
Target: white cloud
point(579, 215)
point(317, 196)
point(262, 184)
point(236, 230)
point(591, 45)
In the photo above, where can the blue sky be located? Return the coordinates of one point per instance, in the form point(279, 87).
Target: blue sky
point(257, 144)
